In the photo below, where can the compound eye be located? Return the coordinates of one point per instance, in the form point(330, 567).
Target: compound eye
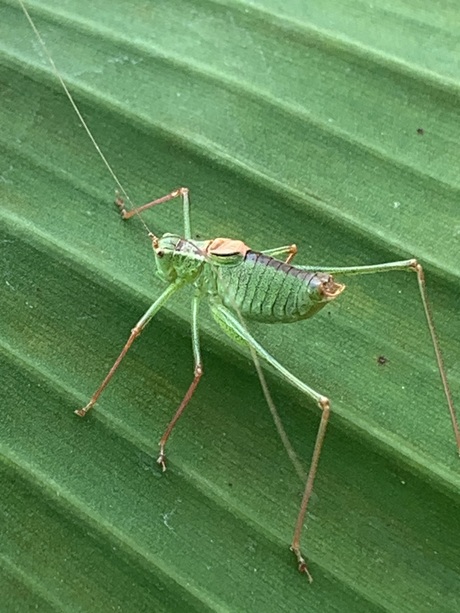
point(160, 253)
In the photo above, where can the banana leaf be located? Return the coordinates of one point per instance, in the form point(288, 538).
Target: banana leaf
point(334, 126)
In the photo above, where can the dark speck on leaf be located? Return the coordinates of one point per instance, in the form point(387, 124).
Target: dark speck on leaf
point(420, 131)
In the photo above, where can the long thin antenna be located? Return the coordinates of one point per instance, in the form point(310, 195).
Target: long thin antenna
point(75, 107)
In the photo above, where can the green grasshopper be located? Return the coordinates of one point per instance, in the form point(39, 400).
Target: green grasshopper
point(245, 285)
point(241, 285)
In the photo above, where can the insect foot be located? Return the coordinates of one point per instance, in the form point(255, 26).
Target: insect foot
point(161, 460)
point(82, 412)
point(120, 203)
point(302, 565)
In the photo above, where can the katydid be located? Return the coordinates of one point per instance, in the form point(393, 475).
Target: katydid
point(241, 284)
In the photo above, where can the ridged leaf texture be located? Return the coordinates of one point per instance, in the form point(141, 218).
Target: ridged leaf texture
point(334, 125)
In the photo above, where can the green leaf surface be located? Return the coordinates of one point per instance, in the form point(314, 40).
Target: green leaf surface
point(332, 125)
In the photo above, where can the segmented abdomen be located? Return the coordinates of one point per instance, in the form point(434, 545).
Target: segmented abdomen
point(264, 289)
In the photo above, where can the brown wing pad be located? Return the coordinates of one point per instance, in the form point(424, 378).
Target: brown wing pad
point(227, 246)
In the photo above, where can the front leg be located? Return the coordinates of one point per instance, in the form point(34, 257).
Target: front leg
point(198, 372)
point(182, 192)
